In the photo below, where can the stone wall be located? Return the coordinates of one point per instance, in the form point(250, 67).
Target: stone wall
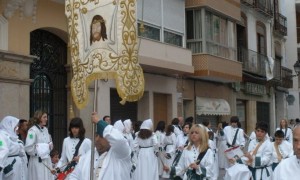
point(14, 84)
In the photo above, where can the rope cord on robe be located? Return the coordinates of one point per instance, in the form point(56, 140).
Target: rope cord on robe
point(253, 169)
point(279, 156)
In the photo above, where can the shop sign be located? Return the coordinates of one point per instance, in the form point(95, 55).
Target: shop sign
point(256, 89)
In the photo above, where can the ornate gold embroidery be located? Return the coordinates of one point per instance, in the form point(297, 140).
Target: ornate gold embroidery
point(103, 63)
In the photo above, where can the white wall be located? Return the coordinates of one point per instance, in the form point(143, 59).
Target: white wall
point(291, 55)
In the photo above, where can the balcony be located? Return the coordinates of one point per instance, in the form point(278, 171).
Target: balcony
point(229, 8)
point(286, 78)
point(280, 24)
point(262, 6)
point(161, 58)
point(214, 68)
point(253, 62)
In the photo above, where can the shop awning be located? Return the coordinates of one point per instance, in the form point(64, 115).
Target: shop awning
point(212, 106)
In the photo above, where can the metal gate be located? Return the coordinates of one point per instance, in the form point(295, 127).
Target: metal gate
point(48, 91)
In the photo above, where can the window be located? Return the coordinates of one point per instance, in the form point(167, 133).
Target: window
point(190, 24)
point(261, 38)
point(149, 32)
point(220, 34)
point(172, 38)
point(194, 30)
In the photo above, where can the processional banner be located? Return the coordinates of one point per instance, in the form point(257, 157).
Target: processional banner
point(104, 45)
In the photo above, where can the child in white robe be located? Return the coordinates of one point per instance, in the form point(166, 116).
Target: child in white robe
point(281, 149)
point(160, 135)
point(146, 148)
point(259, 154)
point(169, 149)
point(288, 169)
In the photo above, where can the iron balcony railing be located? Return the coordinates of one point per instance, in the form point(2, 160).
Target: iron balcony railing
point(286, 77)
point(280, 24)
point(263, 6)
point(253, 62)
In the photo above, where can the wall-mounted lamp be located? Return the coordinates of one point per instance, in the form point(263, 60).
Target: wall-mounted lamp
point(296, 68)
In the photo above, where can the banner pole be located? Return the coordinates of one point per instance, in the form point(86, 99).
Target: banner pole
point(93, 132)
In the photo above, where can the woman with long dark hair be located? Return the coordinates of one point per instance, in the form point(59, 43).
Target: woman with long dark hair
point(160, 135)
point(74, 146)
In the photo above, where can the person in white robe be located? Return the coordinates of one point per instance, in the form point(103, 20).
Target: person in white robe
point(128, 132)
point(238, 172)
point(213, 147)
point(177, 127)
point(169, 149)
point(68, 158)
point(288, 134)
point(234, 136)
point(230, 131)
point(221, 144)
point(3, 153)
point(111, 158)
point(259, 154)
point(12, 151)
point(119, 126)
point(182, 140)
point(281, 149)
point(160, 135)
point(289, 169)
point(38, 146)
point(197, 160)
point(146, 146)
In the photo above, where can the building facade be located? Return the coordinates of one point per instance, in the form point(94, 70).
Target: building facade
point(205, 59)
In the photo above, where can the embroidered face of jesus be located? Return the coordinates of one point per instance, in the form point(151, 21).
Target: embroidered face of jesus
point(98, 29)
